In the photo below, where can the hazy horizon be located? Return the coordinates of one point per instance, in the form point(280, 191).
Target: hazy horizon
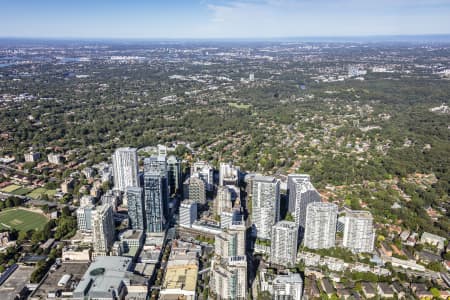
point(288, 39)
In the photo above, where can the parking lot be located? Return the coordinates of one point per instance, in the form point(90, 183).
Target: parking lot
point(16, 282)
point(50, 284)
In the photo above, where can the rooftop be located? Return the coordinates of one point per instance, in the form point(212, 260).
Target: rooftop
point(104, 276)
point(359, 214)
point(368, 287)
point(187, 203)
point(286, 224)
point(427, 235)
point(327, 286)
point(268, 179)
point(322, 205)
point(125, 149)
point(384, 286)
point(299, 178)
point(181, 275)
point(294, 278)
point(131, 234)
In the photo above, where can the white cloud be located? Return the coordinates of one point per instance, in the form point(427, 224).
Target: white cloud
point(219, 12)
point(281, 18)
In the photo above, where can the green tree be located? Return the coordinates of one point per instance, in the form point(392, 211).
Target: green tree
point(22, 236)
point(435, 266)
point(264, 296)
point(289, 217)
point(435, 292)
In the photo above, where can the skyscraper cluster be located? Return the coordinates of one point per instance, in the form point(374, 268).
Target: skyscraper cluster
point(147, 200)
point(147, 197)
point(313, 222)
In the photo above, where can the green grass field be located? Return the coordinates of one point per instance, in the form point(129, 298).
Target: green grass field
point(37, 193)
point(10, 188)
point(51, 193)
point(21, 219)
point(21, 192)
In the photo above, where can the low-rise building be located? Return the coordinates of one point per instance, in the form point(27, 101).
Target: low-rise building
point(368, 290)
point(180, 280)
point(76, 254)
point(54, 158)
point(404, 235)
point(312, 290)
point(447, 265)
point(327, 287)
point(48, 244)
point(288, 287)
point(425, 295)
point(406, 264)
point(88, 172)
point(384, 290)
point(398, 289)
point(106, 278)
point(427, 257)
point(4, 239)
point(343, 293)
point(432, 239)
point(32, 156)
point(67, 185)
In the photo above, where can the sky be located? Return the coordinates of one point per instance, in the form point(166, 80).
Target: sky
point(203, 19)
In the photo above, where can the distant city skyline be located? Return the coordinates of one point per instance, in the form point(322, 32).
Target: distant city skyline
point(206, 19)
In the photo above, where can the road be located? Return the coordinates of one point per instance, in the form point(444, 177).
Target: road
point(35, 202)
point(20, 172)
point(42, 202)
